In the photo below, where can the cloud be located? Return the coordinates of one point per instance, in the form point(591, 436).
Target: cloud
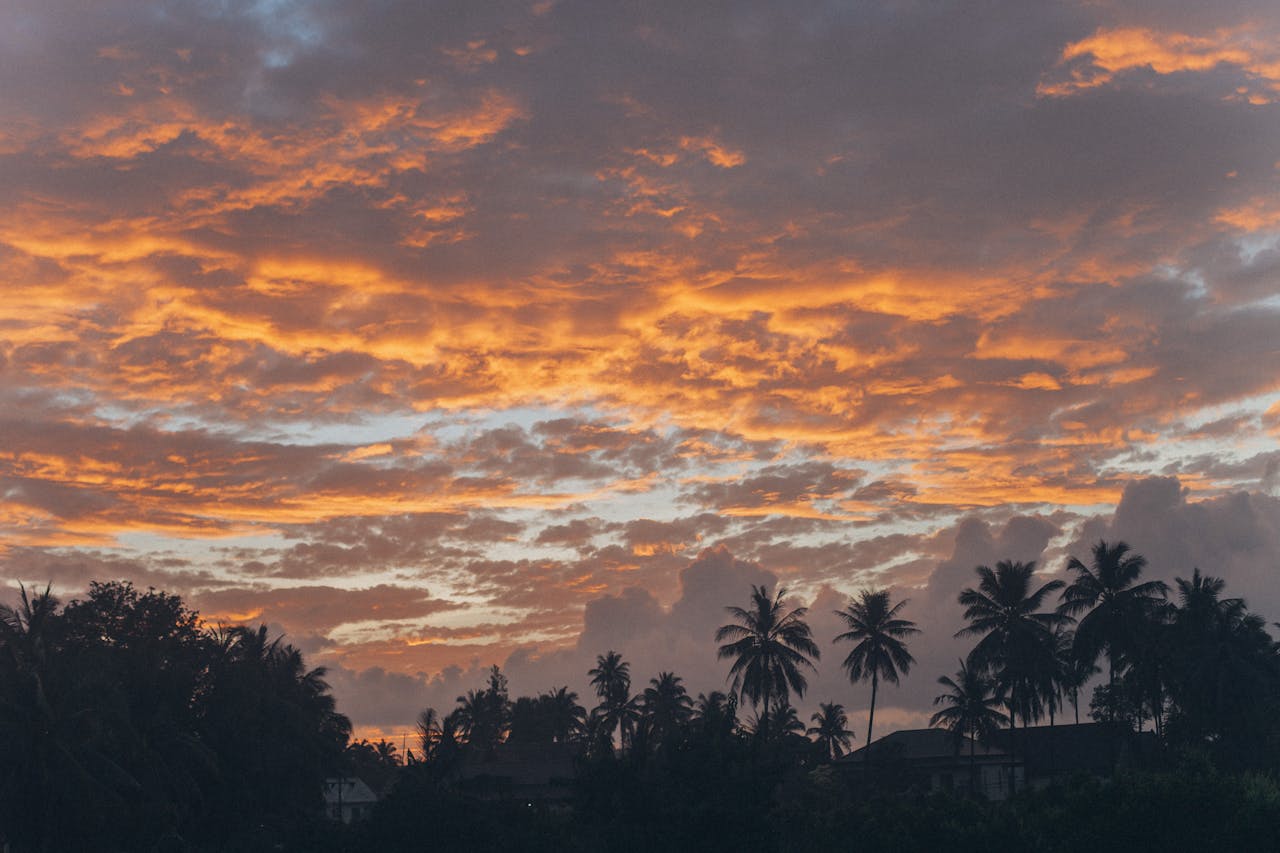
point(529, 304)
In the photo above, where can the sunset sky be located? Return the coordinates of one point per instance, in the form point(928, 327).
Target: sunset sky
point(442, 334)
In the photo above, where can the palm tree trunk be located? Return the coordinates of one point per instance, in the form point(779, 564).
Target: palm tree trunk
point(764, 719)
point(1013, 723)
point(973, 770)
point(1053, 763)
point(1111, 711)
point(871, 718)
point(1111, 684)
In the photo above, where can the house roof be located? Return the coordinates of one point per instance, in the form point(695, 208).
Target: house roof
point(352, 789)
point(1083, 747)
point(925, 744)
point(523, 764)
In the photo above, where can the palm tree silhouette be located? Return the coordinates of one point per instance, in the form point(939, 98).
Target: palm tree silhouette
point(829, 731)
point(1017, 642)
point(970, 709)
point(566, 717)
point(878, 632)
point(428, 726)
point(618, 710)
point(1222, 650)
point(666, 706)
point(482, 718)
point(769, 649)
point(715, 715)
point(1114, 602)
point(1073, 671)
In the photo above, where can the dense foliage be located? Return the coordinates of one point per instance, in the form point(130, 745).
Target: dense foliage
point(126, 725)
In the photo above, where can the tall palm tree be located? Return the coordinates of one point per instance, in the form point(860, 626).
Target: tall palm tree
point(1114, 604)
point(618, 710)
point(1017, 637)
point(970, 710)
point(879, 652)
point(770, 648)
point(829, 731)
point(611, 675)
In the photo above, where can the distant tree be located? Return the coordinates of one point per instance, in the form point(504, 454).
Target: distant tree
point(770, 648)
point(375, 763)
point(715, 716)
point(829, 731)
point(484, 715)
point(970, 709)
point(879, 651)
point(665, 706)
point(567, 718)
point(784, 720)
point(428, 726)
point(618, 710)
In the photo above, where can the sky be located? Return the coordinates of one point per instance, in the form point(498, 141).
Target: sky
point(443, 334)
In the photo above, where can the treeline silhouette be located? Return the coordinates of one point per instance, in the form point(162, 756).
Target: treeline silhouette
point(129, 727)
point(126, 726)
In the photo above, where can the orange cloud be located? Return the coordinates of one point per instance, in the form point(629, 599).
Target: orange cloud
point(1109, 52)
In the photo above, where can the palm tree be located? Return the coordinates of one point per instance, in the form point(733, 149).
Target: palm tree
point(611, 675)
point(1073, 671)
point(428, 726)
point(1017, 637)
point(482, 716)
point(1112, 601)
point(1222, 655)
point(970, 709)
point(769, 648)
point(829, 731)
point(878, 632)
point(566, 717)
point(617, 710)
point(716, 715)
point(666, 705)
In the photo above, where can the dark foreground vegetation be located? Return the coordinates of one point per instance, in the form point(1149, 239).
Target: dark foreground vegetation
point(126, 725)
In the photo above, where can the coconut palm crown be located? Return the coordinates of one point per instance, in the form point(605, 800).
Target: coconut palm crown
point(770, 648)
point(1113, 602)
point(878, 632)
